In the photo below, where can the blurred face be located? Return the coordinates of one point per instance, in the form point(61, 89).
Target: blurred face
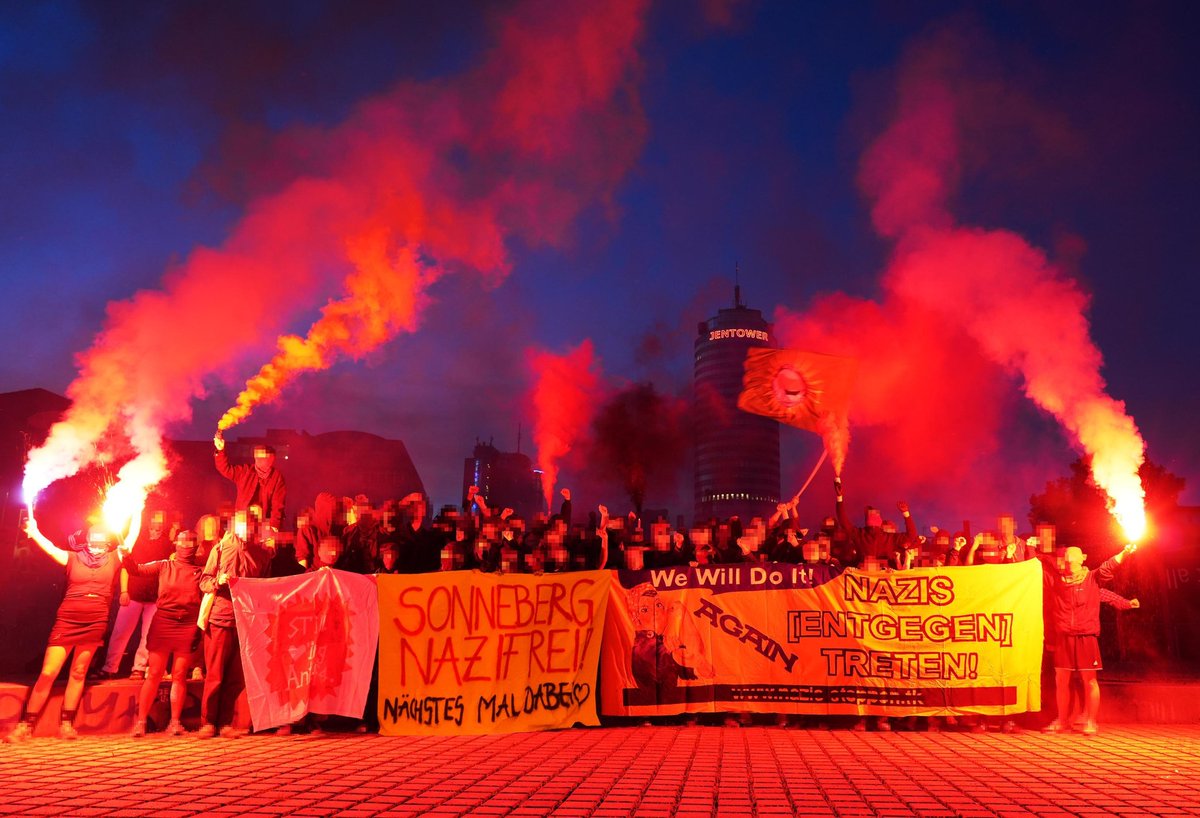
point(705, 553)
point(241, 525)
point(1070, 560)
point(97, 543)
point(990, 550)
point(812, 551)
point(158, 523)
point(211, 529)
point(1045, 535)
point(329, 549)
point(263, 459)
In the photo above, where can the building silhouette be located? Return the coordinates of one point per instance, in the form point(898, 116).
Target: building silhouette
point(736, 453)
point(505, 479)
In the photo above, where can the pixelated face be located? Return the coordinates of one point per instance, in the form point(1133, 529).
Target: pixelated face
point(873, 564)
point(990, 550)
point(241, 525)
point(889, 527)
point(700, 536)
point(97, 542)
point(158, 523)
point(661, 537)
point(489, 532)
point(649, 613)
point(211, 529)
point(302, 522)
point(264, 460)
point(329, 549)
point(873, 518)
point(812, 551)
point(1008, 527)
point(1045, 535)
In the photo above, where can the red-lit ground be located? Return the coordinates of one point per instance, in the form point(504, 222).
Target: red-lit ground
point(636, 771)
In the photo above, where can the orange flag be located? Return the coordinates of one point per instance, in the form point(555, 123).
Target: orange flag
point(803, 389)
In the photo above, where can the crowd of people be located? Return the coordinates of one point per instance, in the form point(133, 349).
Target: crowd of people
point(175, 579)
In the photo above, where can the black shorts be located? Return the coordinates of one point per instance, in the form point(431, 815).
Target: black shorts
point(1077, 652)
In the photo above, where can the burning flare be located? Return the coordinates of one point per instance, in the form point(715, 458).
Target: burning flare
point(1024, 313)
point(426, 177)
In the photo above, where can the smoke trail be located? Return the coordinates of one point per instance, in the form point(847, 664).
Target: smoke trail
point(426, 179)
point(638, 436)
point(564, 397)
point(1021, 310)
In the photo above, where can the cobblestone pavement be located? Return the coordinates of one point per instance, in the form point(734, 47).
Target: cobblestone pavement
point(663, 772)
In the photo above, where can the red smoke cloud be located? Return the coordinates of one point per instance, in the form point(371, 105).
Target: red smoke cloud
point(965, 310)
point(427, 179)
point(565, 394)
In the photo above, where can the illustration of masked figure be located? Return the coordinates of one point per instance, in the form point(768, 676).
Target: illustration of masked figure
point(666, 648)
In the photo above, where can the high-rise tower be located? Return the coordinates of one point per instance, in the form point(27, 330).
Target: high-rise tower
point(737, 453)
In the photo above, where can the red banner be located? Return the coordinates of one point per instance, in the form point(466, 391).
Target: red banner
point(308, 644)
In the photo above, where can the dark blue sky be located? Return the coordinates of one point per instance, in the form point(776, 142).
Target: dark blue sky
point(129, 135)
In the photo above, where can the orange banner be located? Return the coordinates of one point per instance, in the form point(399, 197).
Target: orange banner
point(467, 652)
point(767, 638)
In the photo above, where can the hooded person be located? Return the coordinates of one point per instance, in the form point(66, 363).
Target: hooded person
point(1076, 612)
point(92, 567)
point(322, 522)
point(174, 631)
point(258, 484)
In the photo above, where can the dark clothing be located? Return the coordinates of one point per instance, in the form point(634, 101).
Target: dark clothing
point(83, 615)
point(1078, 652)
point(1076, 604)
point(177, 587)
point(173, 628)
point(420, 551)
point(873, 541)
point(144, 588)
point(361, 542)
point(224, 679)
point(268, 491)
point(235, 559)
point(284, 563)
point(654, 668)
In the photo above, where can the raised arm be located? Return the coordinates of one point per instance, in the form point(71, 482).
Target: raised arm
point(910, 526)
point(843, 522)
point(220, 459)
point(55, 553)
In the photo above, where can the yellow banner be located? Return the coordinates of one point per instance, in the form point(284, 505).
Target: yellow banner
point(467, 652)
point(783, 639)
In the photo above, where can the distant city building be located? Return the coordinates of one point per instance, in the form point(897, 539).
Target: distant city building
point(505, 479)
point(737, 453)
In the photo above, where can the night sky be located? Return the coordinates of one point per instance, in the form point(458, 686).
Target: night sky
point(135, 133)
